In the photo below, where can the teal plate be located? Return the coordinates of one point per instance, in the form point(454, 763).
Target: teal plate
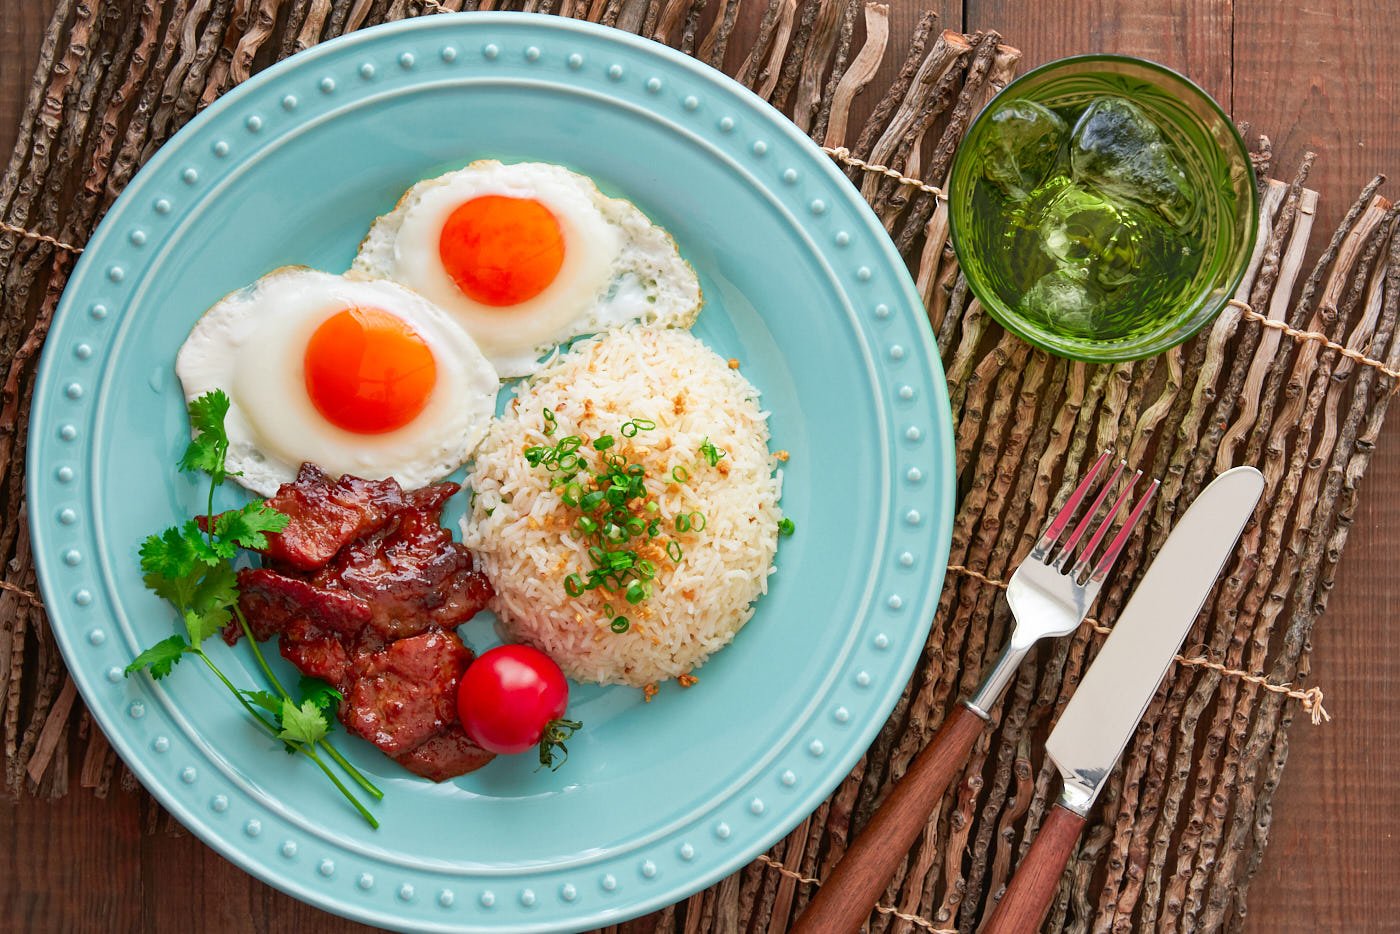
point(657, 800)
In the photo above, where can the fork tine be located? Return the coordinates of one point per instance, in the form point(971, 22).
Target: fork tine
point(1116, 546)
point(1062, 518)
point(1088, 554)
point(1067, 551)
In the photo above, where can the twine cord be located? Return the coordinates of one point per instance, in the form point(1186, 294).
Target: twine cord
point(843, 155)
point(21, 592)
point(1353, 355)
point(915, 920)
point(31, 235)
point(1310, 698)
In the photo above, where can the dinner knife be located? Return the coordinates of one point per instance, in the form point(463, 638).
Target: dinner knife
point(1111, 698)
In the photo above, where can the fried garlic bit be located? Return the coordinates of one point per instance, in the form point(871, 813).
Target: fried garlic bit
point(686, 681)
point(649, 691)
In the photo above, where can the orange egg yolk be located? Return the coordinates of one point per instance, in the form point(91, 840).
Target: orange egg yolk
point(501, 251)
point(367, 371)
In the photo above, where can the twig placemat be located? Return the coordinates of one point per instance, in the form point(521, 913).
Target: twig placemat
point(1293, 377)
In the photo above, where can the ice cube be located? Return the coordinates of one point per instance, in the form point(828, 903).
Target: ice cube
point(1023, 145)
point(1117, 148)
point(1067, 298)
point(1080, 229)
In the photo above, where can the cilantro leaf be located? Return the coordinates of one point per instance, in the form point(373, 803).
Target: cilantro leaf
point(209, 446)
point(159, 658)
point(326, 698)
point(177, 552)
point(302, 724)
point(266, 700)
point(246, 527)
point(210, 606)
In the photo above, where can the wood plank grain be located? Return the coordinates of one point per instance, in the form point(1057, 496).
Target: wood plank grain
point(1325, 78)
point(222, 896)
point(70, 865)
point(1192, 37)
point(1332, 862)
point(22, 25)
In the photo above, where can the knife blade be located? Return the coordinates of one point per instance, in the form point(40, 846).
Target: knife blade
point(1104, 712)
point(1100, 718)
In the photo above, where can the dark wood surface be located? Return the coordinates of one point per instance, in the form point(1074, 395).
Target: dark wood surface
point(1322, 76)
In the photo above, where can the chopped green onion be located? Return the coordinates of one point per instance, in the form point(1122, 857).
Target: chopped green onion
point(549, 422)
point(673, 548)
point(712, 454)
point(604, 442)
point(586, 525)
point(620, 624)
point(645, 424)
point(635, 525)
point(590, 501)
point(653, 528)
point(573, 585)
point(653, 507)
point(646, 570)
point(629, 429)
point(697, 521)
point(786, 526)
point(680, 474)
point(569, 445)
point(682, 523)
point(636, 592)
point(571, 494)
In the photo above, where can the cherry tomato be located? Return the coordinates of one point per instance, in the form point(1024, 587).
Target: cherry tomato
point(512, 698)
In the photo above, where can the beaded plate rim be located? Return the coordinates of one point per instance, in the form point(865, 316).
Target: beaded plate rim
point(895, 612)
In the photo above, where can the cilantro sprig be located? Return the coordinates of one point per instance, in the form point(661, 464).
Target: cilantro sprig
point(191, 567)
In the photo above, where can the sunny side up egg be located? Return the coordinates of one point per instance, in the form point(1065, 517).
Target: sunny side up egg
point(527, 256)
point(358, 376)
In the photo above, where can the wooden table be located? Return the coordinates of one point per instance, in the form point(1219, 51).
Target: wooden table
point(1325, 78)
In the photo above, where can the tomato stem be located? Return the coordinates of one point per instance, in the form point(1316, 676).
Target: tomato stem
point(556, 733)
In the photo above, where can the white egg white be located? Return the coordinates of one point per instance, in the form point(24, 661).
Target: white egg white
point(618, 267)
point(251, 344)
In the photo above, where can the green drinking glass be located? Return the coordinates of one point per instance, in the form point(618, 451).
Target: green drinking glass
point(1103, 208)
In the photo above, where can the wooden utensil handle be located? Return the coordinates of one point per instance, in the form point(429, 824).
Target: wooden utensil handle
point(1022, 909)
point(846, 898)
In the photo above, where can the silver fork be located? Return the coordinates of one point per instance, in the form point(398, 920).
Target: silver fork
point(1046, 600)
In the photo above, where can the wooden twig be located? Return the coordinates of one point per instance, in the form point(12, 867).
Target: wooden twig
point(862, 70)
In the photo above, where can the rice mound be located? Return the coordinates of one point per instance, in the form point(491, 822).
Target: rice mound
point(524, 537)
